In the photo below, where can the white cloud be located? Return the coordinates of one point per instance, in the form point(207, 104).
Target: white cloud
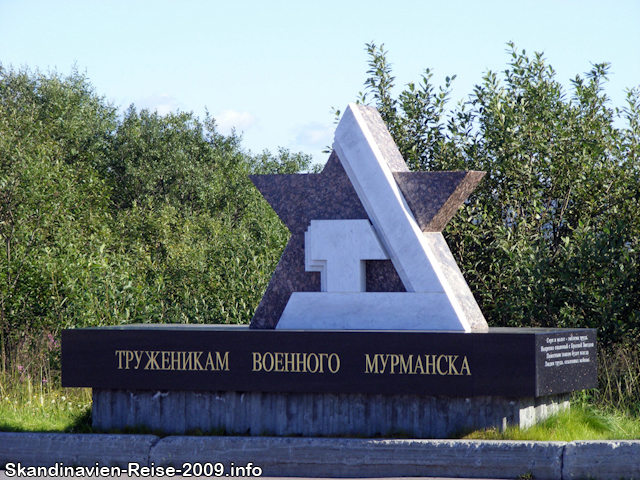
point(228, 119)
point(163, 103)
point(315, 135)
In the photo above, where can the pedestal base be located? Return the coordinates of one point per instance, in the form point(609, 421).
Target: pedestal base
point(315, 414)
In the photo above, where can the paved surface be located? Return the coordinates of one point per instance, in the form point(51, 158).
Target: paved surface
point(293, 457)
point(3, 476)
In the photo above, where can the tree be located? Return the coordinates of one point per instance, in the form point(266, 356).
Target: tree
point(52, 131)
point(110, 218)
point(550, 237)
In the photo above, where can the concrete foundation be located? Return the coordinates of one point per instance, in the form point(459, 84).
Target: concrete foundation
point(260, 413)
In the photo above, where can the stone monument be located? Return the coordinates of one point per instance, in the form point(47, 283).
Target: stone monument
point(367, 213)
point(366, 328)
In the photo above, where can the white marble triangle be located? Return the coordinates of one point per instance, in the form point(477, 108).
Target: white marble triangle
point(437, 297)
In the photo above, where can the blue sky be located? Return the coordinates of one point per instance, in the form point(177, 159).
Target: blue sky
point(274, 69)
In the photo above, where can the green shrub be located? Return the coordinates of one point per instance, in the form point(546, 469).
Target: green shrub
point(550, 236)
point(110, 218)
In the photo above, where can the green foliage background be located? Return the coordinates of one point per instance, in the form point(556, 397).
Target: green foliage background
point(550, 236)
point(109, 218)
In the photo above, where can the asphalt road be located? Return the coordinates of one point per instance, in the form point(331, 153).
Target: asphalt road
point(3, 476)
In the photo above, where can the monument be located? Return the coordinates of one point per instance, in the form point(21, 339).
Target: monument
point(366, 328)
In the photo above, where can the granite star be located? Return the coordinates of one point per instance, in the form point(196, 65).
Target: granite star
point(433, 198)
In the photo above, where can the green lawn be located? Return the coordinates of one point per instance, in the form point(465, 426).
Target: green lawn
point(579, 423)
point(26, 408)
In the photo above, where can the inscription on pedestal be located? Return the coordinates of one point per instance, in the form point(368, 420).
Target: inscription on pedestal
point(569, 350)
point(507, 362)
point(172, 360)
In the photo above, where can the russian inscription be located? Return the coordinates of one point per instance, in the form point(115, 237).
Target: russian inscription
point(405, 364)
point(172, 360)
point(500, 362)
point(568, 350)
point(295, 362)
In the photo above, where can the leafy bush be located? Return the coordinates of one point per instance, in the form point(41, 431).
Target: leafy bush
point(109, 218)
point(550, 237)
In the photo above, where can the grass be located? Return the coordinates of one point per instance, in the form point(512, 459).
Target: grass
point(25, 407)
point(579, 423)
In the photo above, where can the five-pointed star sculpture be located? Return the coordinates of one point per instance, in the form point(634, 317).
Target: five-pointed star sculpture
point(433, 198)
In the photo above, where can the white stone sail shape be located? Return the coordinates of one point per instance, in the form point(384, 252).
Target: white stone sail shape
point(360, 146)
point(437, 296)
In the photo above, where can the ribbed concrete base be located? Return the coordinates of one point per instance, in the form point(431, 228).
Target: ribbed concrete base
point(259, 413)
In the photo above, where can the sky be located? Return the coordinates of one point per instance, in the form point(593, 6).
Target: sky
point(275, 69)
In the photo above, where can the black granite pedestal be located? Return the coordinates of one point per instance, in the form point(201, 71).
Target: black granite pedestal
point(232, 379)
